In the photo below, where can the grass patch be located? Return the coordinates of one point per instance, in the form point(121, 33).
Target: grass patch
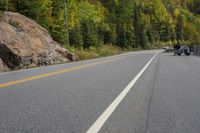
point(86, 54)
point(104, 50)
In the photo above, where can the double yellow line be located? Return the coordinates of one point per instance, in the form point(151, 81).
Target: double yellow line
point(53, 73)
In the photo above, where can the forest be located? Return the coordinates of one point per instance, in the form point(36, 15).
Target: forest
point(127, 24)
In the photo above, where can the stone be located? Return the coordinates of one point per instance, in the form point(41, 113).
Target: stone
point(24, 44)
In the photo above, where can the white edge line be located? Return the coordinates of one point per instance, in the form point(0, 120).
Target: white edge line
point(111, 108)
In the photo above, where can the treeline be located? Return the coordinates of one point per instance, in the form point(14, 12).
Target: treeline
point(123, 23)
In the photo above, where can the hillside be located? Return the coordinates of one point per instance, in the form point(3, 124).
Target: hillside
point(88, 25)
point(125, 23)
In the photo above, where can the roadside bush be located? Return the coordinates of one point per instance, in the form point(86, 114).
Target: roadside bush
point(93, 52)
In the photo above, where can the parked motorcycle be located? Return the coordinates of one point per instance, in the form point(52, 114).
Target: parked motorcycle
point(186, 50)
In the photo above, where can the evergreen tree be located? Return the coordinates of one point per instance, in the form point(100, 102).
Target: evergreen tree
point(179, 29)
point(4, 5)
point(89, 34)
point(76, 38)
point(122, 36)
point(194, 6)
point(124, 23)
point(136, 26)
point(58, 26)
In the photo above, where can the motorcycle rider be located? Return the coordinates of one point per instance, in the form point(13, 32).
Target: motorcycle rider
point(177, 46)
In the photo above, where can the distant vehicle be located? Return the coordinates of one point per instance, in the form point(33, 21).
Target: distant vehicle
point(182, 50)
point(186, 51)
point(178, 52)
point(165, 47)
point(191, 49)
point(168, 49)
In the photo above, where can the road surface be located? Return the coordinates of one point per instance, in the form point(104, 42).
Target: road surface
point(138, 92)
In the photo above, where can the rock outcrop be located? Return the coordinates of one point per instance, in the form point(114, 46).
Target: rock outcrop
point(24, 44)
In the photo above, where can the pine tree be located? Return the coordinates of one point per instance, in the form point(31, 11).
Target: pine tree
point(194, 6)
point(89, 34)
point(76, 38)
point(179, 29)
point(122, 36)
point(4, 5)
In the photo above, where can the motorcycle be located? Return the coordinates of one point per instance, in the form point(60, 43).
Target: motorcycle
point(186, 51)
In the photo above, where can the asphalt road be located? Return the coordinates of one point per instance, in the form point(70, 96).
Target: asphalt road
point(163, 96)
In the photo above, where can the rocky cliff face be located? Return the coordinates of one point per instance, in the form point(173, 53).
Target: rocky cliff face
point(24, 44)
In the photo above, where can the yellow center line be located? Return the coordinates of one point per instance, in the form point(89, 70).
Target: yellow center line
point(53, 73)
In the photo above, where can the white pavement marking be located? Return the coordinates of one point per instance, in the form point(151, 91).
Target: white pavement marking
point(111, 108)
